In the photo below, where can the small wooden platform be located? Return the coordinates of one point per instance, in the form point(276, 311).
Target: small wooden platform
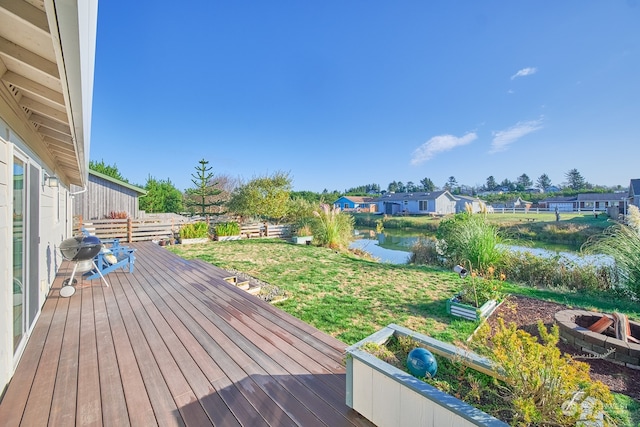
point(174, 344)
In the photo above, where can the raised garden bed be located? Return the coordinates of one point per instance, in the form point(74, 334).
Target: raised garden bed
point(466, 311)
point(388, 396)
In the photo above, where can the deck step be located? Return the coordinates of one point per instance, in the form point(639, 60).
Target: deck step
point(243, 285)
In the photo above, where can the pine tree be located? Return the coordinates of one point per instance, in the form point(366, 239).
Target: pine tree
point(203, 194)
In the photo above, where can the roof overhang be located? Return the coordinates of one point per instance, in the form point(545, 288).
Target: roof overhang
point(47, 52)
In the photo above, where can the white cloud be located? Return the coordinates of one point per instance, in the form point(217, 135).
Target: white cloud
point(503, 138)
point(525, 72)
point(438, 144)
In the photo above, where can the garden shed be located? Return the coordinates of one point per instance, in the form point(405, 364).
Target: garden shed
point(104, 195)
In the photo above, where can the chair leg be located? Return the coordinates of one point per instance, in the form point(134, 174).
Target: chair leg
point(100, 273)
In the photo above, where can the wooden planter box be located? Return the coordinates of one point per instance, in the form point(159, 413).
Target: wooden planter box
point(387, 396)
point(470, 312)
point(302, 240)
point(194, 241)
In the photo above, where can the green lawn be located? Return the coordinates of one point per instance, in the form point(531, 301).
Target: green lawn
point(350, 297)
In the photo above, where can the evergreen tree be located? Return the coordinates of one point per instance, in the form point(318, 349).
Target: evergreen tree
point(162, 196)
point(427, 185)
point(491, 183)
point(543, 182)
point(575, 180)
point(106, 169)
point(523, 182)
point(202, 195)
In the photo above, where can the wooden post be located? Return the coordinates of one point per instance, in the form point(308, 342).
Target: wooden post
point(266, 229)
point(129, 230)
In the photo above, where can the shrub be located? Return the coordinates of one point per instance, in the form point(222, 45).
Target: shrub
point(545, 387)
point(331, 227)
point(425, 251)
point(231, 228)
point(194, 230)
point(557, 271)
point(118, 215)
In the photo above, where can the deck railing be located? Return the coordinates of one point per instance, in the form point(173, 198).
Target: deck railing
point(135, 230)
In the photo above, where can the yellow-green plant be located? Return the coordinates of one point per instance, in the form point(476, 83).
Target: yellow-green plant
point(194, 230)
point(303, 230)
point(545, 387)
point(227, 229)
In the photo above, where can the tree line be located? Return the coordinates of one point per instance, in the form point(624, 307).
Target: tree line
point(272, 197)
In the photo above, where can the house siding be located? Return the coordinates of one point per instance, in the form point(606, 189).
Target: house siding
point(439, 203)
point(53, 227)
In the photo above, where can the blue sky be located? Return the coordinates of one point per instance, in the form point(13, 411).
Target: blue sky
point(346, 93)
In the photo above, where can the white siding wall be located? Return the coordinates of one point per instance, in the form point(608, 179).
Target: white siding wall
point(54, 226)
point(388, 404)
point(6, 278)
point(445, 206)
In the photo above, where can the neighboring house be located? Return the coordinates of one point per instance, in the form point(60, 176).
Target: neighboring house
point(559, 203)
point(434, 203)
point(476, 204)
point(533, 190)
point(105, 195)
point(552, 189)
point(517, 203)
point(634, 192)
point(586, 202)
point(356, 203)
point(47, 51)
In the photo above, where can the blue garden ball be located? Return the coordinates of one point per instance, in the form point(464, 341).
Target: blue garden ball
point(421, 363)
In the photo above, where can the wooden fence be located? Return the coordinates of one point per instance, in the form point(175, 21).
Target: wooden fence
point(135, 230)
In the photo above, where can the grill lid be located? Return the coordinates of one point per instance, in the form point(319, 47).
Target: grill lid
point(80, 248)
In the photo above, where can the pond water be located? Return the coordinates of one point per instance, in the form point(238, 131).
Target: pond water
point(395, 248)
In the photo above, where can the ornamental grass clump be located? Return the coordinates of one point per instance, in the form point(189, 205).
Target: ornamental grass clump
point(622, 243)
point(544, 387)
point(469, 237)
point(331, 227)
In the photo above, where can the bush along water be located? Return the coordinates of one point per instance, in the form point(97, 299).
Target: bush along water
point(466, 238)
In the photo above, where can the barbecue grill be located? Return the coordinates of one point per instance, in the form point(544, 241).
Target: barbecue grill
point(81, 250)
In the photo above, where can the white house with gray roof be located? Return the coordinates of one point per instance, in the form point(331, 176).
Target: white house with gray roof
point(418, 203)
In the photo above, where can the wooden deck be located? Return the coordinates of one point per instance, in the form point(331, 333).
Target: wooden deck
point(174, 344)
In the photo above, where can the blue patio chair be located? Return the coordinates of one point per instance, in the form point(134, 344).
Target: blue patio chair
point(112, 258)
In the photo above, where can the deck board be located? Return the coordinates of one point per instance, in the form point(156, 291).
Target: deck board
point(174, 344)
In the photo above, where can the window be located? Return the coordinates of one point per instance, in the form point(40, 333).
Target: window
point(422, 205)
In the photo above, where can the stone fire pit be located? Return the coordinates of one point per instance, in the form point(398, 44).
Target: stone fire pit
point(574, 329)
